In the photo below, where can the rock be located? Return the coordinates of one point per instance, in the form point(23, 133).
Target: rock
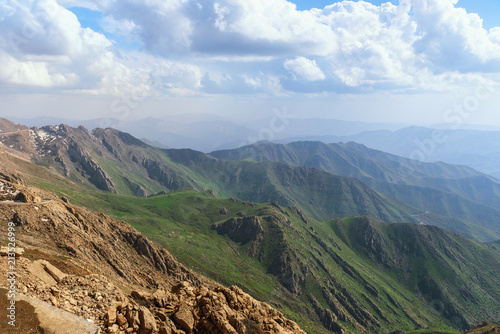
point(184, 317)
point(224, 211)
point(111, 316)
point(53, 271)
point(176, 289)
point(121, 320)
point(38, 269)
point(160, 298)
point(141, 295)
point(53, 301)
point(27, 197)
point(133, 318)
point(165, 330)
point(241, 229)
point(54, 320)
point(162, 316)
point(147, 321)
point(113, 329)
point(55, 292)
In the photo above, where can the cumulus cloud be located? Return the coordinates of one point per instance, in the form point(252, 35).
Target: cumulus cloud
point(259, 46)
point(305, 68)
point(46, 46)
point(453, 38)
point(43, 44)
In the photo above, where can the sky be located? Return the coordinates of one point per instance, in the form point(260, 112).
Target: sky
point(411, 61)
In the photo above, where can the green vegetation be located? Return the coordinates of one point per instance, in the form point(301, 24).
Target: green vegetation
point(349, 271)
point(326, 259)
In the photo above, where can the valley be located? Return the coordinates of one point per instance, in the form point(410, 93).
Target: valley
point(339, 239)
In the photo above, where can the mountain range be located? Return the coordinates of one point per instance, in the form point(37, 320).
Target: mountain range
point(474, 148)
point(339, 238)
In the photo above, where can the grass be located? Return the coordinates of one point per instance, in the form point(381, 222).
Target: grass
point(181, 222)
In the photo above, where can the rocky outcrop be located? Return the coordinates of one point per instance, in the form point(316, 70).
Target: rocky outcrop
point(484, 328)
point(241, 229)
point(206, 310)
point(90, 168)
point(163, 174)
point(137, 189)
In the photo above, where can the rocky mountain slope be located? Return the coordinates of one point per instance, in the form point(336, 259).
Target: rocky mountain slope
point(101, 269)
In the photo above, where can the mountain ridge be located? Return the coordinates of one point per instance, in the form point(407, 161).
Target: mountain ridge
point(316, 271)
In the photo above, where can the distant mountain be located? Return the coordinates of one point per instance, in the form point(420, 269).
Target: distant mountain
point(477, 149)
point(448, 190)
point(117, 162)
point(208, 133)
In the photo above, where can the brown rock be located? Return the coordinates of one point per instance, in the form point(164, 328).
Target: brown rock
point(141, 295)
point(53, 271)
point(113, 329)
point(111, 316)
point(55, 291)
point(121, 320)
point(147, 321)
point(184, 317)
point(165, 330)
point(160, 298)
point(180, 286)
point(53, 301)
point(162, 316)
point(133, 318)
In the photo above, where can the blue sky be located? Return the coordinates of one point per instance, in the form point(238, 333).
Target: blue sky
point(405, 62)
point(489, 10)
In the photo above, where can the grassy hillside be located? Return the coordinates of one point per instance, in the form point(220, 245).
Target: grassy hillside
point(453, 191)
point(332, 274)
point(326, 276)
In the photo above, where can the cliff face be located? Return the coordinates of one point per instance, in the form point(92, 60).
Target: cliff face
point(102, 269)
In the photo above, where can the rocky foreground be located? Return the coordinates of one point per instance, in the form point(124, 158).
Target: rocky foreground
point(95, 274)
point(484, 328)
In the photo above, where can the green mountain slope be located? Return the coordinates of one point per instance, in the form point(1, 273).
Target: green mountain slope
point(320, 194)
point(447, 190)
point(438, 265)
point(356, 274)
point(319, 274)
point(113, 161)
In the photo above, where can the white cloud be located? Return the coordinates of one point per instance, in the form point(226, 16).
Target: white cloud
point(42, 44)
point(34, 73)
point(453, 38)
point(256, 46)
point(122, 27)
point(305, 68)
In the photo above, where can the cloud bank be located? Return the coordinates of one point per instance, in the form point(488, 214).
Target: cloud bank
point(188, 48)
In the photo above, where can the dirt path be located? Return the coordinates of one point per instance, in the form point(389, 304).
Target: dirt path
point(421, 214)
point(22, 203)
point(12, 133)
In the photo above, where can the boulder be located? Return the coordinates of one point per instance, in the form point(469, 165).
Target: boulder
point(184, 318)
point(147, 321)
